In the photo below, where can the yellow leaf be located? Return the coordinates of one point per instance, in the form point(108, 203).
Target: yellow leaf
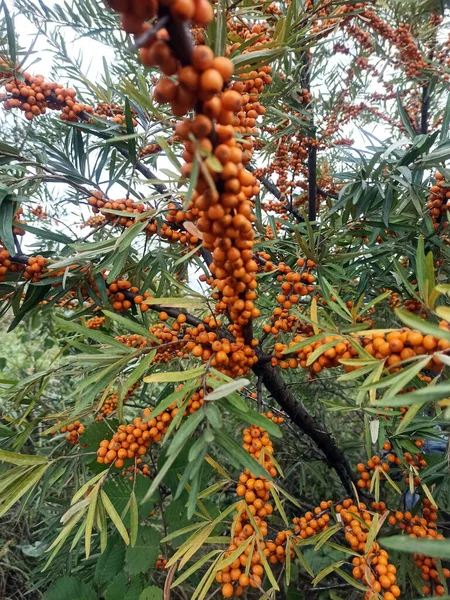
point(314, 317)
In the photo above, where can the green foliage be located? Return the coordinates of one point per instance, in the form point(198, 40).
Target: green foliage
point(77, 529)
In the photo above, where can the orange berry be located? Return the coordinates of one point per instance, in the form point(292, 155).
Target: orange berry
point(211, 81)
point(227, 590)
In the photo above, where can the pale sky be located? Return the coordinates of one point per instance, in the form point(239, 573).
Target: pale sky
point(93, 52)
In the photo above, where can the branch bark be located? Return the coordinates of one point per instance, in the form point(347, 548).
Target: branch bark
point(283, 395)
point(312, 182)
point(312, 148)
point(272, 188)
point(424, 110)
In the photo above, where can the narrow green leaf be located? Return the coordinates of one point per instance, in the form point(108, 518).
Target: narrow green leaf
point(405, 118)
point(227, 388)
point(402, 543)
point(424, 326)
point(195, 567)
point(301, 559)
point(114, 516)
point(324, 572)
point(22, 459)
point(349, 579)
point(175, 376)
point(90, 520)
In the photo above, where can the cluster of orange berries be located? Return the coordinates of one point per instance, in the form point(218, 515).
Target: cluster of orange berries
point(402, 344)
point(133, 340)
point(415, 306)
point(134, 14)
point(313, 522)
point(430, 574)
point(35, 268)
point(99, 202)
point(323, 25)
point(17, 218)
point(415, 525)
point(439, 198)
point(74, 430)
point(375, 463)
point(150, 149)
point(423, 527)
point(270, 415)
point(171, 231)
point(372, 567)
point(133, 440)
point(138, 468)
point(93, 221)
point(33, 95)
point(95, 322)
point(381, 577)
point(122, 295)
point(39, 212)
point(410, 57)
point(330, 358)
point(226, 215)
point(234, 358)
point(255, 495)
point(112, 400)
point(294, 285)
point(412, 305)
point(113, 113)
point(6, 264)
point(68, 301)
point(251, 85)
point(396, 346)
point(161, 562)
point(288, 164)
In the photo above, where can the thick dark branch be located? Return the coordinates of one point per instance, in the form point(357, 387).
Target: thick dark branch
point(424, 110)
point(180, 36)
point(272, 188)
point(312, 182)
point(312, 148)
point(282, 394)
point(324, 192)
point(146, 172)
point(20, 259)
point(143, 169)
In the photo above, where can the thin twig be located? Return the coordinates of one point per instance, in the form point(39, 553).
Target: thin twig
point(169, 579)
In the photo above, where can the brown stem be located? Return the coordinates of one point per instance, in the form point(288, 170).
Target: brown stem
point(424, 110)
point(272, 188)
point(283, 395)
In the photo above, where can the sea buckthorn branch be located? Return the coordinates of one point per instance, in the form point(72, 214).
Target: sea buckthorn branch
point(284, 396)
point(312, 148)
point(137, 164)
point(426, 97)
point(274, 190)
